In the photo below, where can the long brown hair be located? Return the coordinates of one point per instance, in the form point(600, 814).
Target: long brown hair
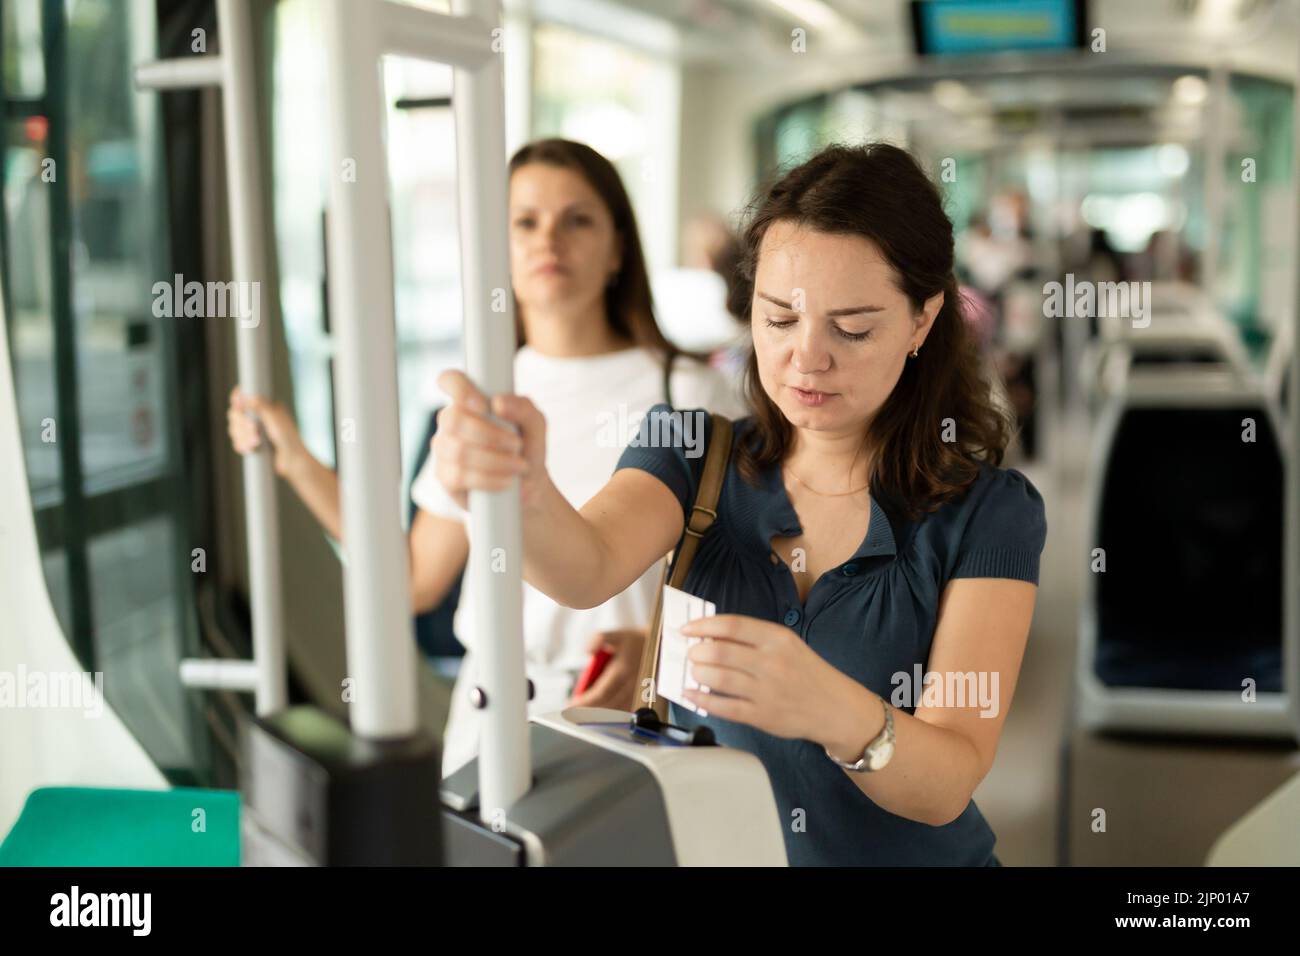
point(629, 306)
point(879, 192)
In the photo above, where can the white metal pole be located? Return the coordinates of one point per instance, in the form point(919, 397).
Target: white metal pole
point(380, 644)
point(496, 552)
point(252, 342)
point(1217, 115)
point(405, 30)
point(210, 674)
point(182, 73)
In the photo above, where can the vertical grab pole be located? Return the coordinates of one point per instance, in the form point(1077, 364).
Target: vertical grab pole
point(496, 552)
point(376, 590)
point(252, 346)
point(1216, 145)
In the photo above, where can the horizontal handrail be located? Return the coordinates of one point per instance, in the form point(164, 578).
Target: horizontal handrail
point(461, 41)
point(180, 73)
point(208, 673)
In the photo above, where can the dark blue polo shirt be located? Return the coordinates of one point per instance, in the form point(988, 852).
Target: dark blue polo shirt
point(872, 617)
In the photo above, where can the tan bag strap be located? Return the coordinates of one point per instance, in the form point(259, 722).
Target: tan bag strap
point(703, 514)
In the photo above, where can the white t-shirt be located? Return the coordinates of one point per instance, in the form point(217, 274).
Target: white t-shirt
point(592, 405)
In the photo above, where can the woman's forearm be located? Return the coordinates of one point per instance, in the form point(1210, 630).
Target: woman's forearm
point(318, 487)
point(438, 548)
point(579, 559)
point(933, 773)
point(564, 554)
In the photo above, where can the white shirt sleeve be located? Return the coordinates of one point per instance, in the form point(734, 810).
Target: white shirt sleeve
point(429, 495)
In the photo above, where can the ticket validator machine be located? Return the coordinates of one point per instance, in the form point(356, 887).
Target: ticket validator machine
point(585, 786)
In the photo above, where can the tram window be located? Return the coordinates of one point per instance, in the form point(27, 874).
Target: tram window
point(93, 366)
point(138, 636)
point(621, 102)
point(1256, 271)
point(24, 65)
point(31, 338)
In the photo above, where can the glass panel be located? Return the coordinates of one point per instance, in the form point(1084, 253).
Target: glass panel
point(24, 64)
point(31, 327)
point(623, 104)
point(55, 565)
point(1258, 265)
point(139, 637)
point(116, 221)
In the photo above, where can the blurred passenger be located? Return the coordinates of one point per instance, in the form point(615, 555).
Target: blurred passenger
point(992, 260)
point(980, 314)
point(1104, 262)
point(696, 302)
point(1103, 265)
point(593, 358)
point(995, 252)
point(709, 243)
point(1166, 257)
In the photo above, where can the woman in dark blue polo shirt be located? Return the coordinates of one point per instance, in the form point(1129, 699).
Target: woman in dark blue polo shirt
point(874, 570)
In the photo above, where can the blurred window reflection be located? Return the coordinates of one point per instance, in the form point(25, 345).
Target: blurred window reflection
point(623, 104)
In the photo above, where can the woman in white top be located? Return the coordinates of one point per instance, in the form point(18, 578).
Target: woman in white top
point(594, 363)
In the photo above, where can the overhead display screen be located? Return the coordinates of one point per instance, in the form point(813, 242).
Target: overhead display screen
point(953, 27)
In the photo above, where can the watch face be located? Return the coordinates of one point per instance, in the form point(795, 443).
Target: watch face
point(881, 756)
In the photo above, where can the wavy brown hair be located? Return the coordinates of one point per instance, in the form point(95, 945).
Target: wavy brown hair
point(880, 193)
point(629, 306)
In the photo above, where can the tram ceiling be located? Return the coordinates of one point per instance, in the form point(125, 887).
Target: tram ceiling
point(741, 34)
point(1135, 109)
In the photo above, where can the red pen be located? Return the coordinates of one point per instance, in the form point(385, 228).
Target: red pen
point(592, 670)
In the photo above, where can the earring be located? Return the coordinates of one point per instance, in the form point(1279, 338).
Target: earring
point(916, 351)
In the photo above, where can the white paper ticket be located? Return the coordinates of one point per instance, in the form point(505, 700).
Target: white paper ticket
point(674, 671)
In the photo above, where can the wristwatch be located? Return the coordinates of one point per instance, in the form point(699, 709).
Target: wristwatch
point(877, 753)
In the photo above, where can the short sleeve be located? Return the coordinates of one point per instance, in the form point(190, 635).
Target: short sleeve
point(429, 495)
point(1006, 531)
point(670, 444)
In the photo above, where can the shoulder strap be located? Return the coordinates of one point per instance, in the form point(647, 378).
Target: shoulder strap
point(703, 514)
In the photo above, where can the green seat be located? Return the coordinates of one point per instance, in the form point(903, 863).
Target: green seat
point(87, 826)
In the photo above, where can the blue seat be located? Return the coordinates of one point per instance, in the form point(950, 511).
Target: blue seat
point(1191, 522)
point(1182, 632)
